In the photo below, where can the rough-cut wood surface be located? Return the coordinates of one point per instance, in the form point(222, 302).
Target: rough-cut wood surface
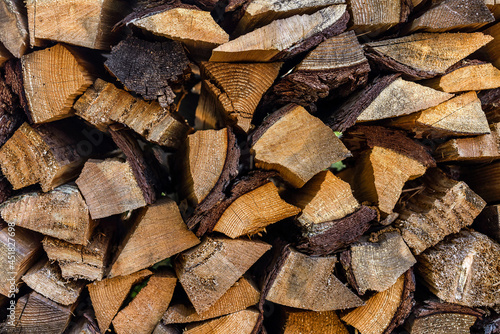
point(61, 213)
point(282, 39)
point(242, 322)
point(14, 27)
point(53, 79)
point(443, 207)
point(234, 91)
point(296, 151)
point(375, 15)
point(103, 103)
point(424, 55)
point(109, 187)
point(295, 286)
point(24, 246)
point(240, 296)
point(488, 222)
point(459, 116)
point(147, 308)
point(45, 278)
point(108, 295)
point(158, 233)
point(208, 270)
point(47, 155)
point(491, 51)
point(463, 269)
point(166, 329)
point(300, 321)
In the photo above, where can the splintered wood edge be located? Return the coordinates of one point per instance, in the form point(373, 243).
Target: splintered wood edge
point(407, 302)
point(431, 307)
point(14, 77)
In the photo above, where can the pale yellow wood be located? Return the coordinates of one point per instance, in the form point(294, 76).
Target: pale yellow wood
point(241, 322)
point(373, 15)
point(467, 78)
point(13, 27)
point(299, 321)
point(442, 323)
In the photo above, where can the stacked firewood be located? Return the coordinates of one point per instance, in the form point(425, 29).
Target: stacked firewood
point(250, 166)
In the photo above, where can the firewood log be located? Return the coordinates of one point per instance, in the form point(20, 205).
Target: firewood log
point(377, 16)
point(484, 180)
point(242, 322)
point(300, 321)
point(14, 27)
point(490, 51)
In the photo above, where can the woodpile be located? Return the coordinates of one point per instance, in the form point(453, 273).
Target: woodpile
point(250, 166)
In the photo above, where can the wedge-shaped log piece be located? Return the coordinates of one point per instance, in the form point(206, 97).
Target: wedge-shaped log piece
point(282, 39)
point(82, 262)
point(240, 296)
point(53, 78)
point(449, 15)
point(376, 263)
point(109, 187)
point(336, 66)
point(441, 318)
point(158, 233)
point(471, 75)
point(377, 16)
point(207, 271)
point(60, 213)
point(235, 90)
point(294, 285)
point(483, 148)
point(193, 27)
point(443, 207)
point(385, 310)
point(300, 321)
point(262, 12)
point(37, 314)
point(108, 295)
point(47, 155)
point(296, 151)
point(45, 278)
point(485, 181)
point(103, 104)
point(210, 160)
point(463, 269)
point(147, 308)
point(242, 322)
point(252, 212)
point(149, 68)
point(14, 27)
point(460, 116)
point(25, 248)
point(424, 55)
point(488, 222)
point(491, 51)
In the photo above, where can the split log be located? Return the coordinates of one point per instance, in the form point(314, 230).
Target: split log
point(53, 78)
point(60, 213)
point(47, 155)
point(488, 222)
point(470, 75)
point(375, 16)
point(300, 321)
point(443, 207)
point(262, 12)
point(491, 51)
point(484, 180)
point(103, 103)
point(242, 322)
point(385, 310)
point(195, 28)
point(208, 270)
point(45, 278)
point(463, 269)
point(377, 262)
point(109, 187)
point(108, 295)
point(72, 22)
point(14, 27)
point(240, 296)
point(166, 329)
point(459, 116)
point(149, 68)
point(293, 284)
point(297, 152)
point(19, 249)
point(336, 66)
point(490, 103)
point(158, 232)
point(424, 55)
point(208, 162)
point(252, 212)
point(377, 101)
point(147, 308)
point(82, 262)
point(282, 39)
point(483, 148)
point(455, 15)
point(37, 314)
point(11, 113)
point(440, 318)
point(234, 91)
